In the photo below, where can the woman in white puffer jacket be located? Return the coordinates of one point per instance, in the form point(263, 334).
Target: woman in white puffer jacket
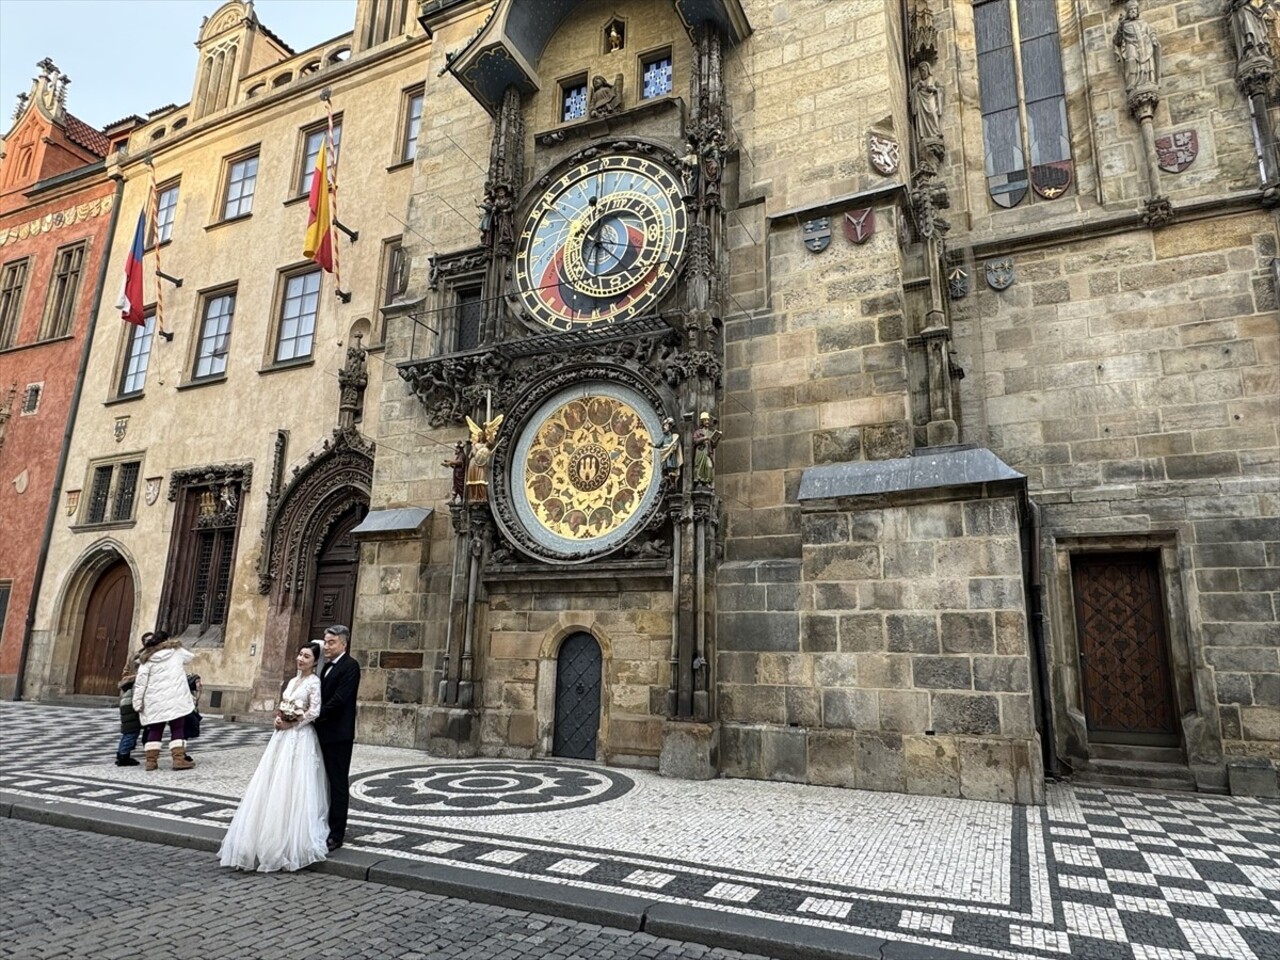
point(161, 695)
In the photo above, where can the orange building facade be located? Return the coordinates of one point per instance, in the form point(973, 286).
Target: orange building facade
point(57, 209)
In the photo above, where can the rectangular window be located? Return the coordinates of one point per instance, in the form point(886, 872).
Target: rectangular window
point(197, 588)
point(1023, 100)
point(113, 491)
point(313, 139)
point(395, 271)
point(166, 210)
point(573, 98)
point(215, 335)
point(301, 299)
point(12, 282)
point(412, 123)
point(137, 356)
point(31, 398)
point(469, 318)
point(60, 308)
point(242, 181)
point(657, 76)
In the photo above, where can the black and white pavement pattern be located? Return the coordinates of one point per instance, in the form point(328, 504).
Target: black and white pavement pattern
point(1113, 875)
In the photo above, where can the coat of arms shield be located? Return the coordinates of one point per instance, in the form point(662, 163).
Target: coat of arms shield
point(817, 234)
point(1000, 273)
point(1177, 151)
point(884, 154)
point(859, 225)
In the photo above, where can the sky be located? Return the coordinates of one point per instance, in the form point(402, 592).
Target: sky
point(132, 56)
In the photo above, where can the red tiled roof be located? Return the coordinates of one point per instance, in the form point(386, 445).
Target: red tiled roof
point(92, 139)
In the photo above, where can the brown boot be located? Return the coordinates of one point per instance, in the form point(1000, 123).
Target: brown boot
point(177, 750)
point(153, 756)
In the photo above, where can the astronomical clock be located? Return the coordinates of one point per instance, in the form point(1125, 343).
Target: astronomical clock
point(600, 246)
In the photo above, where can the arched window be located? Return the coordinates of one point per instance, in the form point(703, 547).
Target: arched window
point(281, 80)
point(1027, 147)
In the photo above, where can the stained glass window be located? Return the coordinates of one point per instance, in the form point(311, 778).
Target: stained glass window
point(1024, 110)
point(657, 77)
point(575, 101)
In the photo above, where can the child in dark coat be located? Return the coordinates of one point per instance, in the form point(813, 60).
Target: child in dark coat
point(130, 722)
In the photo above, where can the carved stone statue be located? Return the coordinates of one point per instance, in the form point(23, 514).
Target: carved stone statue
point(483, 442)
point(615, 38)
point(1249, 30)
point(606, 97)
point(1138, 48)
point(705, 440)
point(689, 171)
point(670, 454)
point(459, 467)
point(927, 99)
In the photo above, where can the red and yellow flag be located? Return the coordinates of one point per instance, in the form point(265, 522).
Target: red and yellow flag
point(318, 245)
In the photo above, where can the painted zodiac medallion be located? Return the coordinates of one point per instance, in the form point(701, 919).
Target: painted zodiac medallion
point(584, 470)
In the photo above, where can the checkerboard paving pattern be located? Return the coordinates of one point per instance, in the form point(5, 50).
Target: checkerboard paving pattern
point(1170, 876)
point(1112, 875)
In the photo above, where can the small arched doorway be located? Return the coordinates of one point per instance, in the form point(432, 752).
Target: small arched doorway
point(578, 673)
point(334, 598)
point(104, 640)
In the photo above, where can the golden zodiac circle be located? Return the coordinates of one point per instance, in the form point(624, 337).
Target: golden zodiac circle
point(588, 467)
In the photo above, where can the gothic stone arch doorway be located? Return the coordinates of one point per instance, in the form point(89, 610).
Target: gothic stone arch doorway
point(104, 640)
point(578, 675)
point(308, 558)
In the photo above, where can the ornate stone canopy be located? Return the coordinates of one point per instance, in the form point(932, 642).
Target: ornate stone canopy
point(506, 50)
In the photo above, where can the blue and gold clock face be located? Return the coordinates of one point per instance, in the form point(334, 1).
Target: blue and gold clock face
point(602, 244)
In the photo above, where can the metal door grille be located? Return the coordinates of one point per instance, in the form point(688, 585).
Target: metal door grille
point(577, 698)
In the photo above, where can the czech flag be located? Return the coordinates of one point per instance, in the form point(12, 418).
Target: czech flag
point(318, 245)
point(130, 302)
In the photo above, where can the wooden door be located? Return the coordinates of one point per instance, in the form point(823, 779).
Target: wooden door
point(108, 622)
point(1124, 653)
point(334, 598)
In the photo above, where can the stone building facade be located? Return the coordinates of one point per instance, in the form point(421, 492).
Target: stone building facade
point(979, 303)
point(872, 395)
point(56, 211)
point(222, 457)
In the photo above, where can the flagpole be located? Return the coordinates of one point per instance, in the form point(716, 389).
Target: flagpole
point(331, 184)
point(153, 227)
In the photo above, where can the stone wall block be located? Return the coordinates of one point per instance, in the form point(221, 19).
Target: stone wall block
point(758, 631)
point(881, 763)
point(977, 714)
point(832, 757)
point(862, 632)
point(850, 709)
point(945, 673)
point(819, 633)
point(784, 754)
point(912, 633)
point(1002, 674)
point(968, 632)
point(740, 750)
point(932, 766)
point(904, 711)
point(884, 671)
point(986, 770)
point(835, 670)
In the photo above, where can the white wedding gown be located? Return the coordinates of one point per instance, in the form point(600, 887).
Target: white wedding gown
point(282, 822)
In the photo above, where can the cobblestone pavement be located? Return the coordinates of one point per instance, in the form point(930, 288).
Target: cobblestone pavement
point(1114, 874)
point(141, 901)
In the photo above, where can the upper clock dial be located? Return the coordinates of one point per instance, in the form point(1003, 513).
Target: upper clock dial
point(602, 243)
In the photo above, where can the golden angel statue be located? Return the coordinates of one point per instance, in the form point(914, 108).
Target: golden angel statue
point(483, 441)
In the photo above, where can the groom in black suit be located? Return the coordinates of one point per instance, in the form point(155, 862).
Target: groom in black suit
point(336, 725)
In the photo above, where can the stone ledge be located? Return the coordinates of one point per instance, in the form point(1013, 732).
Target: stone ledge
point(935, 470)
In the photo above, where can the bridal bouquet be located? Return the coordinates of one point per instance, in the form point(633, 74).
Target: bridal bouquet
point(290, 710)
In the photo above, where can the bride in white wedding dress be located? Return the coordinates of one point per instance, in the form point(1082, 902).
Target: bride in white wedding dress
point(282, 822)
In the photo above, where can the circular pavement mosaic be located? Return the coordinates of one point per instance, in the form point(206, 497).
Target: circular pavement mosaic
point(489, 787)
